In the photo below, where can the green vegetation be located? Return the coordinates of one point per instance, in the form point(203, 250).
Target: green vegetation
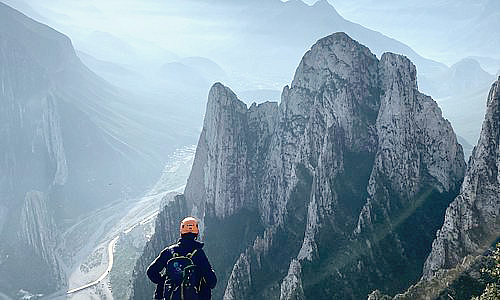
point(390, 256)
point(492, 290)
point(350, 186)
point(477, 278)
point(287, 240)
point(93, 261)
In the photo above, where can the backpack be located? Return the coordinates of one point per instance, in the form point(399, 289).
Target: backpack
point(182, 278)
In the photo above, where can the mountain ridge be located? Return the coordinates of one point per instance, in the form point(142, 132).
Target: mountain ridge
point(263, 31)
point(322, 185)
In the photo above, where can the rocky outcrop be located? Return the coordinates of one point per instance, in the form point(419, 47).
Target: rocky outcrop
point(415, 159)
point(454, 268)
point(222, 166)
point(472, 221)
point(338, 189)
point(465, 281)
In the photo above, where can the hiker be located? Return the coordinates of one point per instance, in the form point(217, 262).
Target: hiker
point(182, 270)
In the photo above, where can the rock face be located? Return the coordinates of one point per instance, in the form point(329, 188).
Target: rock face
point(38, 235)
point(472, 221)
point(33, 156)
point(471, 225)
point(335, 192)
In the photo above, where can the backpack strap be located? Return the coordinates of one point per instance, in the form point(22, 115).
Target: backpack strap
point(190, 255)
point(175, 254)
point(172, 250)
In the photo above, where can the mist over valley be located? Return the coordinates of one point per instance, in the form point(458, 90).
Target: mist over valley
point(105, 108)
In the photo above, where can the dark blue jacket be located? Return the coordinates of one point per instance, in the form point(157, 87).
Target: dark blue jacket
point(187, 244)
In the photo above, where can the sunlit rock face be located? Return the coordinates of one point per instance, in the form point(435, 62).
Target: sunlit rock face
point(471, 224)
point(472, 221)
point(335, 191)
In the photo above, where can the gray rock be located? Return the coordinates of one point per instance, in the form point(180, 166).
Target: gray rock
point(472, 221)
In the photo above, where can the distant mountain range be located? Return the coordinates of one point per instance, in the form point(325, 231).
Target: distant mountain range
point(256, 44)
point(446, 30)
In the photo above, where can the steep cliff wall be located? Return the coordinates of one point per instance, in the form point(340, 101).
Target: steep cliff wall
point(338, 190)
point(68, 145)
point(33, 159)
point(37, 244)
point(471, 225)
point(472, 221)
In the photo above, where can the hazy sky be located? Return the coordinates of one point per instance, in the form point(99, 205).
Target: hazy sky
point(429, 27)
point(158, 33)
point(442, 30)
point(152, 37)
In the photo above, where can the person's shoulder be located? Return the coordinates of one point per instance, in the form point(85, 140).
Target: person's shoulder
point(200, 253)
point(174, 245)
point(198, 245)
point(170, 249)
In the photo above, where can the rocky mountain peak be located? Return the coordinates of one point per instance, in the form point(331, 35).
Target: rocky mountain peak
point(394, 66)
point(336, 82)
point(220, 182)
point(225, 117)
point(324, 8)
point(335, 56)
point(351, 173)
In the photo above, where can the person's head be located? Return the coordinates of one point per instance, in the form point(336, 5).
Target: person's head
point(189, 228)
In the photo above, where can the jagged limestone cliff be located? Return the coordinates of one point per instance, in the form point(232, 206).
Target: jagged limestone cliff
point(472, 221)
point(334, 192)
point(471, 224)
